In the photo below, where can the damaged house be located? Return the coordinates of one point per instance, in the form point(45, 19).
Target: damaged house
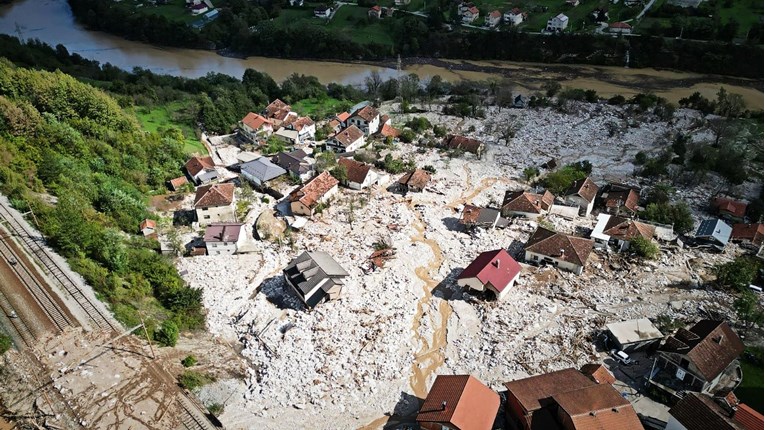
point(315, 276)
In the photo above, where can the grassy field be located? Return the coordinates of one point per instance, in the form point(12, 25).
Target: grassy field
point(320, 108)
point(577, 16)
point(751, 389)
point(745, 12)
point(351, 20)
point(158, 117)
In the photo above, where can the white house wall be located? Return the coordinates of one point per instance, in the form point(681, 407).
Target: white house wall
point(565, 265)
point(207, 216)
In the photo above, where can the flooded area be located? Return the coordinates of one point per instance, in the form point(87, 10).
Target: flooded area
point(51, 21)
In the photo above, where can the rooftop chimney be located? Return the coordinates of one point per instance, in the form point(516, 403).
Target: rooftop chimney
point(562, 251)
point(443, 405)
point(496, 263)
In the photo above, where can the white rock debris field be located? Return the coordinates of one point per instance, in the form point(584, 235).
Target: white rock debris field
point(346, 363)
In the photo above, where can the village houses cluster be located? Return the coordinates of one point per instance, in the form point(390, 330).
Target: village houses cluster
point(697, 364)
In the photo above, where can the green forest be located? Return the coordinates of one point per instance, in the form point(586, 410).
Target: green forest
point(80, 162)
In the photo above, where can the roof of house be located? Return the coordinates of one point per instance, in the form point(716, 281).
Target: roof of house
point(475, 215)
point(262, 169)
point(292, 161)
point(214, 195)
point(367, 113)
point(277, 105)
point(733, 207)
point(709, 345)
point(300, 123)
point(287, 133)
point(347, 136)
point(223, 232)
point(198, 164)
point(473, 10)
point(531, 391)
point(464, 143)
point(495, 14)
point(255, 121)
point(623, 25)
point(342, 117)
point(628, 198)
point(375, 8)
point(637, 330)
point(748, 418)
point(627, 229)
point(388, 130)
point(496, 267)
point(148, 223)
point(584, 188)
point(562, 17)
point(523, 201)
point(462, 401)
point(598, 373)
point(515, 11)
point(311, 269)
point(700, 412)
point(312, 191)
point(716, 229)
point(751, 232)
point(560, 246)
point(177, 182)
point(357, 171)
point(417, 178)
point(598, 407)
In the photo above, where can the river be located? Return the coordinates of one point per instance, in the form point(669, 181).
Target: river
point(51, 21)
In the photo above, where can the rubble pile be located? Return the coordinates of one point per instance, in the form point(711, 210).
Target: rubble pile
point(345, 363)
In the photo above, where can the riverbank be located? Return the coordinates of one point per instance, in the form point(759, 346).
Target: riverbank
point(55, 24)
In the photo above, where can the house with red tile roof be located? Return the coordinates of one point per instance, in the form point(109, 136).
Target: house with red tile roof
point(224, 238)
point(201, 170)
point(524, 203)
point(489, 218)
point(347, 140)
point(702, 358)
point(747, 234)
point(304, 126)
point(582, 193)
point(729, 209)
point(748, 418)
point(619, 28)
point(697, 411)
point(493, 18)
point(514, 16)
point(148, 228)
point(495, 271)
point(414, 181)
point(375, 12)
point(464, 143)
point(458, 402)
point(618, 232)
point(366, 118)
point(567, 400)
point(253, 126)
point(557, 249)
point(215, 203)
point(360, 175)
point(307, 197)
point(621, 199)
point(177, 183)
point(470, 14)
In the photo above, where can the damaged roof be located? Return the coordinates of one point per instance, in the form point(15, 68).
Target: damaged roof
point(709, 345)
point(584, 188)
point(627, 229)
point(312, 191)
point(523, 201)
point(560, 246)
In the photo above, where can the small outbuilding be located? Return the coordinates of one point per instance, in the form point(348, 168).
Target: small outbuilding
point(633, 335)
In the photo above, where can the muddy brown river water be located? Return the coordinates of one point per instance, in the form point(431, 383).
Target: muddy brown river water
point(51, 21)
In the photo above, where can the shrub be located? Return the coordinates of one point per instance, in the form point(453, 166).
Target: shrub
point(664, 213)
point(641, 158)
point(737, 274)
point(5, 343)
point(644, 248)
point(418, 124)
point(439, 131)
point(407, 136)
point(617, 100)
point(530, 173)
point(167, 335)
point(558, 181)
point(191, 380)
point(189, 361)
point(215, 409)
point(430, 169)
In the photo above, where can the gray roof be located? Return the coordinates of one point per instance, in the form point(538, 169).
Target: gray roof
point(716, 230)
point(632, 331)
point(262, 169)
point(308, 270)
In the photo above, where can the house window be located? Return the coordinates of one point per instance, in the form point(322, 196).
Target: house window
point(206, 217)
point(204, 209)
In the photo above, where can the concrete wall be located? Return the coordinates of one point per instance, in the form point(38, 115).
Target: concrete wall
point(565, 265)
point(207, 216)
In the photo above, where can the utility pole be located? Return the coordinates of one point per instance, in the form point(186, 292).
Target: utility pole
point(146, 333)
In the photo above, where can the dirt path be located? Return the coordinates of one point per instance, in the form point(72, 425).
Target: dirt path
point(431, 355)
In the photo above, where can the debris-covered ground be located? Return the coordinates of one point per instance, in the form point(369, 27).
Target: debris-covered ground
point(347, 363)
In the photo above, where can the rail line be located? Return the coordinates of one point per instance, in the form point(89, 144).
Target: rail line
point(21, 327)
point(32, 241)
point(35, 288)
point(190, 419)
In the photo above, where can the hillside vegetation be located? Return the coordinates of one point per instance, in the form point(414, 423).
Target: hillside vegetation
point(63, 138)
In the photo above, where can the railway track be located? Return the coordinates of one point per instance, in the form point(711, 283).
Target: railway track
point(190, 418)
point(22, 329)
point(38, 291)
point(33, 243)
